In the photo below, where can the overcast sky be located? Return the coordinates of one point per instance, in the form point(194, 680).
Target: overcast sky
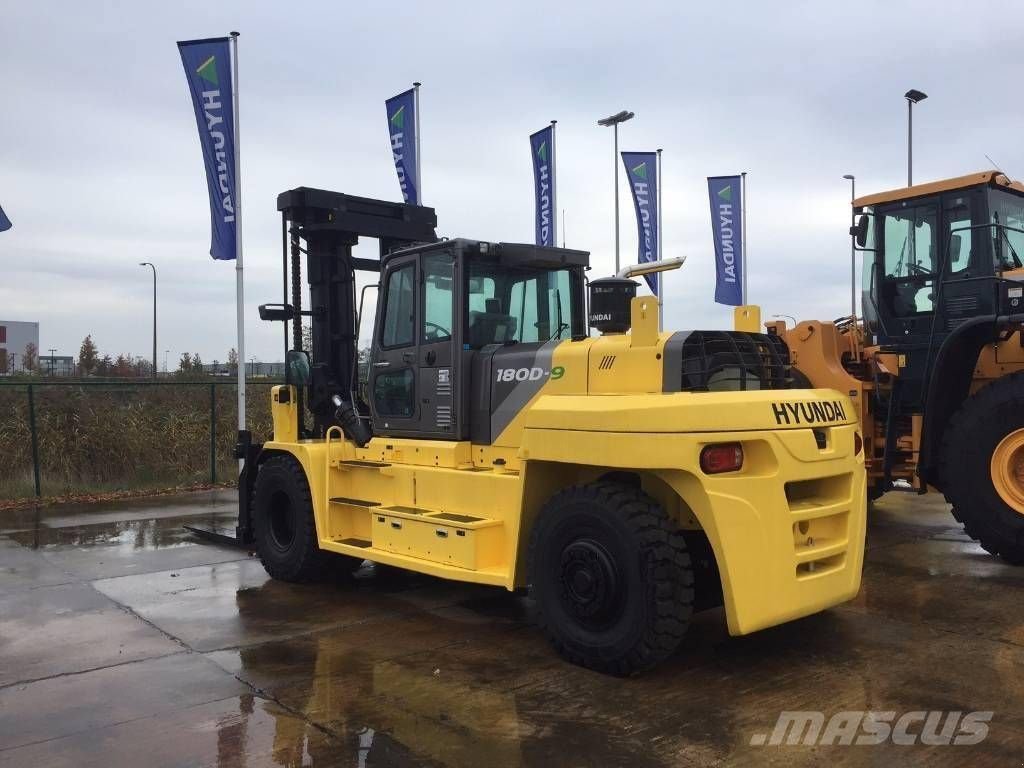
point(100, 165)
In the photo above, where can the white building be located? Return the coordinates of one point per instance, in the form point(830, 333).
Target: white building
point(14, 337)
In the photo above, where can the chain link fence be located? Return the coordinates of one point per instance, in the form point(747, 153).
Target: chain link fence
point(80, 437)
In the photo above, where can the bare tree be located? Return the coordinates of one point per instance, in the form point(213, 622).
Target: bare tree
point(30, 357)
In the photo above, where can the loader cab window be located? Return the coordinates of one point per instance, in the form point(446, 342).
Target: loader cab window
point(910, 258)
point(959, 235)
point(510, 305)
point(1006, 210)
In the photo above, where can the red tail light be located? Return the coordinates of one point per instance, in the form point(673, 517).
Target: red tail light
point(722, 457)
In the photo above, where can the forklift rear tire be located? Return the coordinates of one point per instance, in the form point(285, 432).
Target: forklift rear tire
point(611, 577)
point(982, 467)
point(285, 530)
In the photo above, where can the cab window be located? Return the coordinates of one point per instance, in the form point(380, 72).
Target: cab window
point(517, 304)
point(910, 257)
point(438, 297)
point(910, 243)
point(399, 307)
point(959, 235)
point(1007, 212)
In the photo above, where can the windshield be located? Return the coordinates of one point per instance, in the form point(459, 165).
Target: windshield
point(1007, 210)
point(520, 304)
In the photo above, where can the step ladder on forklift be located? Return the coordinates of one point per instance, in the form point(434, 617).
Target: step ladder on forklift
point(449, 538)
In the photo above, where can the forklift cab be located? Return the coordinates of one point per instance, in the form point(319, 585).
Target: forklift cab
point(442, 308)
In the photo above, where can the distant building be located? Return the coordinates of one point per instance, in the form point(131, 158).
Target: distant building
point(14, 337)
point(57, 365)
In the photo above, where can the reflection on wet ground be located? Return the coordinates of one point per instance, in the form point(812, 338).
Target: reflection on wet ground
point(123, 641)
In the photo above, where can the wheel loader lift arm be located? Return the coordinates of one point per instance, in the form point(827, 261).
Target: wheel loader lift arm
point(331, 224)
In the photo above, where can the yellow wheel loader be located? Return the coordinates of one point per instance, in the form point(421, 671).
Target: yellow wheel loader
point(626, 479)
point(935, 365)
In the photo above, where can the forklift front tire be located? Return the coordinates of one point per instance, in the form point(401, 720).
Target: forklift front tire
point(611, 577)
point(285, 530)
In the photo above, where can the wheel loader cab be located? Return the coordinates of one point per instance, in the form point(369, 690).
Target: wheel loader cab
point(939, 253)
point(441, 306)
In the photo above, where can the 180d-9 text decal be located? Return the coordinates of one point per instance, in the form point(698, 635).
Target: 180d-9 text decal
point(528, 374)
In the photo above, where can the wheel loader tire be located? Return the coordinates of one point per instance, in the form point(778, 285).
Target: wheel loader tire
point(972, 443)
point(285, 531)
point(611, 577)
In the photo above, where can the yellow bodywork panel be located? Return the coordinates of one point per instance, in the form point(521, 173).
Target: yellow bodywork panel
point(787, 529)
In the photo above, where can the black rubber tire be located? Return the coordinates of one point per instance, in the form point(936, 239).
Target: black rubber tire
point(973, 433)
point(651, 588)
point(285, 530)
point(876, 491)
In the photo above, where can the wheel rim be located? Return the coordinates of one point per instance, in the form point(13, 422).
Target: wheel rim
point(1007, 465)
point(282, 522)
point(590, 583)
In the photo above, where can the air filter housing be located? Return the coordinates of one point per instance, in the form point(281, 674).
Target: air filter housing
point(610, 299)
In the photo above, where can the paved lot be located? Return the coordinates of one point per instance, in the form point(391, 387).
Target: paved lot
point(124, 642)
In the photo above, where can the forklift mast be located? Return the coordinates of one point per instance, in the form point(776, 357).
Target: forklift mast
point(331, 224)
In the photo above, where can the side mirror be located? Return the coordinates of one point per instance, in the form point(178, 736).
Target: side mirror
point(860, 231)
point(277, 312)
point(296, 367)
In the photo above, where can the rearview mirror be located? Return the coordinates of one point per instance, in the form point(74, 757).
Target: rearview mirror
point(860, 231)
point(296, 367)
point(277, 312)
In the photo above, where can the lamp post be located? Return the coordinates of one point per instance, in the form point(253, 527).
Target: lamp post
point(151, 266)
point(166, 352)
point(613, 121)
point(912, 96)
point(853, 245)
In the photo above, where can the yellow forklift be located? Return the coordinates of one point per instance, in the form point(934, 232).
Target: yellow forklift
point(486, 435)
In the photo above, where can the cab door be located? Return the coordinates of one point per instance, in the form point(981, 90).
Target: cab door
point(414, 383)
point(394, 354)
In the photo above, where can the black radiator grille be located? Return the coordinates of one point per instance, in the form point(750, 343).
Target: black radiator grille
point(732, 360)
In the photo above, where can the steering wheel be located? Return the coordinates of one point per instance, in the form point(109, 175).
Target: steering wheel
point(436, 332)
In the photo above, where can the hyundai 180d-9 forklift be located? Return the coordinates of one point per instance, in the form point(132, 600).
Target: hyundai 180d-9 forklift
point(485, 435)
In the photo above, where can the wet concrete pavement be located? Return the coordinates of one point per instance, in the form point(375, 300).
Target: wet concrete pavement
point(125, 642)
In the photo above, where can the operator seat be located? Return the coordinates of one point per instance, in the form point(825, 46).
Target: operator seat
point(491, 326)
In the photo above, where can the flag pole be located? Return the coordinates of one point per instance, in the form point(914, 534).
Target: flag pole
point(554, 189)
point(239, 279)
point(419, 155)
point(661, 236)
point(743, 219)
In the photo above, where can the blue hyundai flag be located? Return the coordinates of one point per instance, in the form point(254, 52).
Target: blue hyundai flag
point(542, 150)
point(5, 223)
point(727, 226)
point(402, 127)
point(642, 173)
point(208, 69)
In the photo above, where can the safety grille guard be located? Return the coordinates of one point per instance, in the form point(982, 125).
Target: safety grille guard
point(732, 360)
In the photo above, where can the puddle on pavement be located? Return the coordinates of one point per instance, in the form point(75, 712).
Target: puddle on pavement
point(402, 711)
point(122, 535)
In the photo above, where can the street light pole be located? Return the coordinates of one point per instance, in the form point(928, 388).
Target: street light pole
point(613, 121)
point(912, 96)
point(151, 266)
point(853, 246)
